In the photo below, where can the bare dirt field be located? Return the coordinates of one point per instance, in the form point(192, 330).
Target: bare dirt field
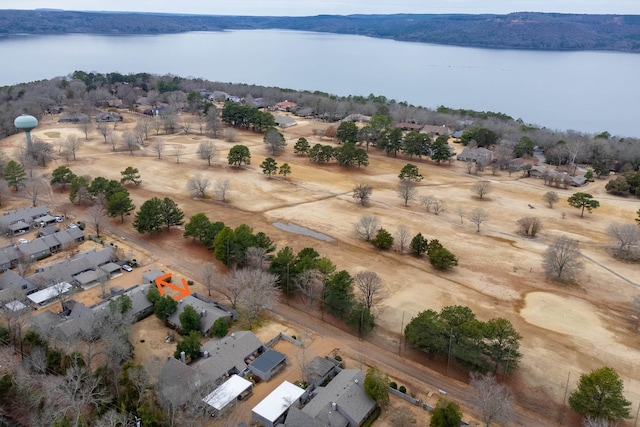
point(567, 330)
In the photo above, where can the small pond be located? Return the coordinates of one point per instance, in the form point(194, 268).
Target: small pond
point(298, 229)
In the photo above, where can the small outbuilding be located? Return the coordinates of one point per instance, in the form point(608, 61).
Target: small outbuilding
point(222, 398)
point(273, 409)
point(268, 364)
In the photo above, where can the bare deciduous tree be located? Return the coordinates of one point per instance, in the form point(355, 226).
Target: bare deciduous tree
point(439, 206)
point(104, 129)
point(209, 276)
point(427, 202)
point(260, 293)
point(529, 226)
point(97, 217)
point(478, 216)
point(85, 126)
point(362, 193)
point(310, 284)
point(222, 187)
point(78, 392)
point(158, 146)
point(4, 190)
point(186, 126)
point(550, 197)
point(130, 142)
point(33, 186)
point(177, 152)
point(460, 212)
point(371, 288)
point(402, 237)
point(493, 400)
point(407, 190)
point(366, 227)
point(254, 257)
point(230, 134)
point(198, 185)
point(626, 237)
point(561, 260)
point(144, 126)
point(208, 151)
point(72, 145)
point(482, 188)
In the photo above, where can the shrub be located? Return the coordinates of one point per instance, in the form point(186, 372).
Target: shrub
point(393, 385)
point(220, 328)
point(190, 282)
point(402, 389)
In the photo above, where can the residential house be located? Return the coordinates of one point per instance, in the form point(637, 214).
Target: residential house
point(227, 356)
point(73, 118)
point(268, 364)
point(357, 118)
point(209, 312)
point(285, 121)
point(405, 126)
point(285, 106)
point(27, 216)
point(433, 130)
point(342, 402)
point(476, 155)
point(222, 359)
point(9, 257)
point(272, 410)
point(108, 117)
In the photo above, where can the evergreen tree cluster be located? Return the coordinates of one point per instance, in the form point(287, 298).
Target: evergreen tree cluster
point(455, 333)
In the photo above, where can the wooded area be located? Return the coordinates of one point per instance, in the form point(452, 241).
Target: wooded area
point(522, 30)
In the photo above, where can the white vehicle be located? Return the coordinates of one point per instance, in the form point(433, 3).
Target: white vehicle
point(59, 218)
point(73, 225)
point(21, 241)
point(127, 267)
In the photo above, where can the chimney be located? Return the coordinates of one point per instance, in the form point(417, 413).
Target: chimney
point(183, 357)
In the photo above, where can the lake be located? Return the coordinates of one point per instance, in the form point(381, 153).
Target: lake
point(584, 91)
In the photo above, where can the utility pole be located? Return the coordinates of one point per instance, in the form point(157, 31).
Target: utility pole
point(401, 334)
point(449, 355)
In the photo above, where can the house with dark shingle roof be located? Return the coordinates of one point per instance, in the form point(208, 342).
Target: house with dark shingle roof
point(341, 403)
point(209, 312)
point(222, 358)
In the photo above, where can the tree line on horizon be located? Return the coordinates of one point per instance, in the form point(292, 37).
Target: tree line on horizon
point(518, 30)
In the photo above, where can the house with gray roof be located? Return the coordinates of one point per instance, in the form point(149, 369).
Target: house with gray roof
point(227, 356)
point(222, 358)
point(209, 312)
point(341, 403)
point(285, 121)
point(26, 215)
point(476, 155)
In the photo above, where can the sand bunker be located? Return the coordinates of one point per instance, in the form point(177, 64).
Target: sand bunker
point(563, 314)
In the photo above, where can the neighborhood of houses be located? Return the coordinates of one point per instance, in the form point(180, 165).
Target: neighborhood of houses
point(229, 368)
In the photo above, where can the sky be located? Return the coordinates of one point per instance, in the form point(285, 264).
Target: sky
point(334, 7)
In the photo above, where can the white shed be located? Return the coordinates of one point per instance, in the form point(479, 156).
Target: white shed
point(234, 388)
point(273, 408)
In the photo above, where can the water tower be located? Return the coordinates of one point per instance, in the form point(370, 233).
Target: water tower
point(26, 123)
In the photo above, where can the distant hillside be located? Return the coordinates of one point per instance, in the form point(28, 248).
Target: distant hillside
point(536, 31)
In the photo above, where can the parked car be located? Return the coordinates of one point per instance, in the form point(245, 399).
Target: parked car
point(73, 225)
point(59, 219)
point(21, 241)
point(127, 267)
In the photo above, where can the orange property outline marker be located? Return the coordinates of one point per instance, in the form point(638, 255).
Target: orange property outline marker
point(183, 291)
